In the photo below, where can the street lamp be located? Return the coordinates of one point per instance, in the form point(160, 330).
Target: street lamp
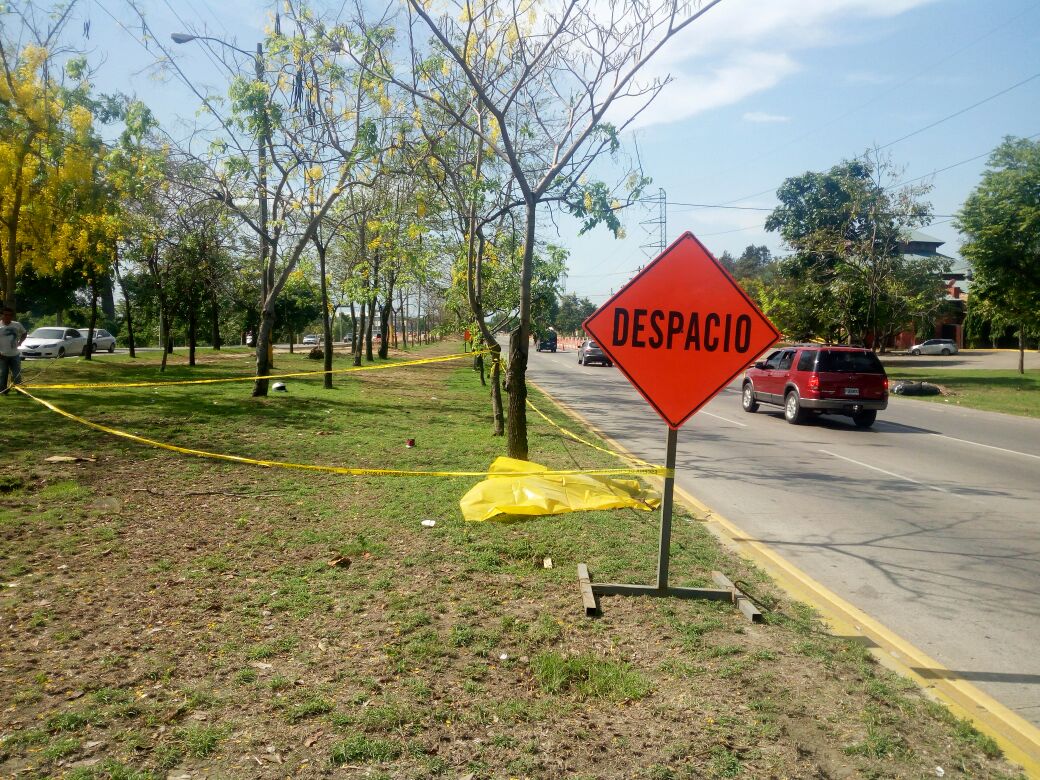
point(267, 280)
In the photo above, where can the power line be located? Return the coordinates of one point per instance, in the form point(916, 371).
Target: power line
point(931, 66)
point(958, 113)
point(950, 167)
point(737, 208)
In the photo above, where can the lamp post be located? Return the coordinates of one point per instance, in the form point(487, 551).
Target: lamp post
point(266, 274)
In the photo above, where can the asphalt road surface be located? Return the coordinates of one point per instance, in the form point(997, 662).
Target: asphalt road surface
point(929, 522)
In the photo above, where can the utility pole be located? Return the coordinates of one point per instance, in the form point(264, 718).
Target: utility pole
point(660, 223)
point(263, 141)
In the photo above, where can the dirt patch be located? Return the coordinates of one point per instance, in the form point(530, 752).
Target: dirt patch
point(171, 617)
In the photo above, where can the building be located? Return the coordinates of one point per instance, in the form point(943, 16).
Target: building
point(950, 325)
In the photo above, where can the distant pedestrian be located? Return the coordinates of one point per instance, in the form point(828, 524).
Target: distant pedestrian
point(466, 338)
point(11, 335)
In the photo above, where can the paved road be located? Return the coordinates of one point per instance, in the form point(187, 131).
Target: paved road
point(929, 522)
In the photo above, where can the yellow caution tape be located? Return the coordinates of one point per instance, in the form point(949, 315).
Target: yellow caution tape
point(272, 377)
point(594, 446)
point(326, 469)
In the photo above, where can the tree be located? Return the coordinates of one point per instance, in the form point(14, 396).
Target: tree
point(573, 312)
point(556, 85)
point(48, 149)
point(847, 271)
point(300, 123)
point(1001, 219)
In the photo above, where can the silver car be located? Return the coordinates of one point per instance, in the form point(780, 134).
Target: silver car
point(53, 342)
point(935, 347)
point(589, 352)
point(104, 341)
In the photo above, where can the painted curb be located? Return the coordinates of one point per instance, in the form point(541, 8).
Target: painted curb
point(1017, 737)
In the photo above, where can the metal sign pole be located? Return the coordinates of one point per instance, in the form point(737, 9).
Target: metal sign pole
point(666, 511)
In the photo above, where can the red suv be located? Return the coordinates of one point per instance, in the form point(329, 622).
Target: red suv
point(820, 379)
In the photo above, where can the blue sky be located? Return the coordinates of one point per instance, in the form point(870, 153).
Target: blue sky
point(762, 90)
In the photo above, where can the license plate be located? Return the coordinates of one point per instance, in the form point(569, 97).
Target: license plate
point(851, 391)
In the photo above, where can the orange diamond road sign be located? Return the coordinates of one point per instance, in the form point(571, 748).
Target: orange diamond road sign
point(681, 330)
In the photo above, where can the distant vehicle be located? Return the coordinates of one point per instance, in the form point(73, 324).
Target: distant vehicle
point(53, 342)
point(547, 343)
point(812, 379)
point(310, 338)
point(589, 352)
point(104, 341)
point(935, 347)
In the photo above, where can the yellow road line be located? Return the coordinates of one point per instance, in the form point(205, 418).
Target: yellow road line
point(271, 377)
point(326, 469)
point(1017, 737)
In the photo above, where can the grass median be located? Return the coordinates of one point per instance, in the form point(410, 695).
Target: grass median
point(990, 390)
point(170, 615)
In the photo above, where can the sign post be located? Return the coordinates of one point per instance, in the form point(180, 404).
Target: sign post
point(681, 330)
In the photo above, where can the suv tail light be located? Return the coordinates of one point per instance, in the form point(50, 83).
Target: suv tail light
point(886, 385)
point(814, 384)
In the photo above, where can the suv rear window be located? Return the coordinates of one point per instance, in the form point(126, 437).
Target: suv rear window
point(846, 362)
point(806, 360)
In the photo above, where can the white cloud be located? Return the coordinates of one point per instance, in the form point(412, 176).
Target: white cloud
point(761, 116)
point(739, 49)
point(724, 84)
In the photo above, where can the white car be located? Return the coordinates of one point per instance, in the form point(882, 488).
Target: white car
point(104, 341)
point(935, 347)
point(310, 339)
point(53, 342)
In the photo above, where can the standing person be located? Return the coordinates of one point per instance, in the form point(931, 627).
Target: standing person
point(11, 335)
point(466, 336)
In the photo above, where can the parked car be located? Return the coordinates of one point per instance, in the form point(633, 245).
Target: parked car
point(104, 341)
point(589, 352)
point(935, 347)
point(53, 342)
point(547, 343)
point(310, 339)
point(818, 379)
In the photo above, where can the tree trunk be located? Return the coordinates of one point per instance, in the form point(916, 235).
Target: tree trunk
point(88, 348)
point(359, 333)
point(326, 318)
point(166, 342)
point(496, 394)
point(404, 319)
point(263, 349)
point(384, 327)
point(368, 331)
point(1021, 348)
point(108, 298)
point(519, 344)
point(126, 303)
point(215, 321)
point(193, 326)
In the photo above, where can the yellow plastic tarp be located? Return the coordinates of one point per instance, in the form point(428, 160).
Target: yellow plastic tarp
point(520, 488)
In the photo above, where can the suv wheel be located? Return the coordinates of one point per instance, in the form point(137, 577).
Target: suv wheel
point(747, 398)
point(793, 411)
point(112, 347)
point(865, 418)
point(945, 351)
